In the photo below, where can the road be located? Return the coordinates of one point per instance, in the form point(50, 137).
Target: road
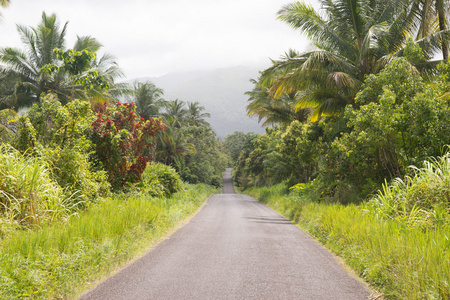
point(234, 248)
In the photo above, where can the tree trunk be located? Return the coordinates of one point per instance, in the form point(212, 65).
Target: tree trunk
point(441, 16)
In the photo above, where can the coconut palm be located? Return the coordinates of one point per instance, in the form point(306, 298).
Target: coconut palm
point(109, 70)
point(195, 114)
point(176, 110)
point(432, 16)
point(21, 69)
point(273, 111)
point(353, 39)
point(172, 145)
point(148, 99)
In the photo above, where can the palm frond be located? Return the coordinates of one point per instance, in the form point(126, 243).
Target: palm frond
point(371, 39)
point(87, 43)
point(17, 61)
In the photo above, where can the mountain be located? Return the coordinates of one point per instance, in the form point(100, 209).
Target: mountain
point(220, 91)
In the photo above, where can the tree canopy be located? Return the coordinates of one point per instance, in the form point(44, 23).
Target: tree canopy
point(351, 39)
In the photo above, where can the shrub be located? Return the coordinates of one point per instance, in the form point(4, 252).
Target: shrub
point(58, 133)
point(397, 125)
point(61, 125)
point(161, 180)
point(8, 118)
point(71, 169)
point(216, 181)
point(123, 142)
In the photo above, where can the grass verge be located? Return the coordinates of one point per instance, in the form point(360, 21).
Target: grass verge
point(401, 261)
point(61, 260)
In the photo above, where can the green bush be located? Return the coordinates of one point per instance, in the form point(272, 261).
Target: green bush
point(300, 148)
point(161, 180)
point(400, 123)
point(207, 161)
point(216, 181)
point(59, 134)
point(71, 169)
point(8, 118)
point(61, 125)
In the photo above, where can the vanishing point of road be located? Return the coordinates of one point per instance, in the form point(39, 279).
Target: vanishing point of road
point(234, 248)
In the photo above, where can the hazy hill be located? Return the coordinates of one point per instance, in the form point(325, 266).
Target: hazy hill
point(220, 91)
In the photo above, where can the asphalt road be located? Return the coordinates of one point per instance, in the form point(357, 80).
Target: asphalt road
point(234, 248)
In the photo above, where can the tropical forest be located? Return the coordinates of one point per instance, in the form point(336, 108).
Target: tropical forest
point(95, 170)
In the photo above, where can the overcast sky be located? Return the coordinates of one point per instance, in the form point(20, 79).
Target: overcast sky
point(156, 37)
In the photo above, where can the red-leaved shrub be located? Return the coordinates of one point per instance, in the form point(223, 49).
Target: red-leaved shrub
point(123, 142)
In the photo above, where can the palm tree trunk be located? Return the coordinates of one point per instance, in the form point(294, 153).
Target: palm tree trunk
point(441, 16)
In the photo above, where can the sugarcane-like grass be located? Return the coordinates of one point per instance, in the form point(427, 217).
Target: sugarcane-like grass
point(61, 259)
point(399, 241)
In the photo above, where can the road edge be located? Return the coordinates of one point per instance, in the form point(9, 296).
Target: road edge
point(88, 286)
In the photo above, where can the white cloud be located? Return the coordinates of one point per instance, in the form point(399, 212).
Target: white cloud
point(151, 38)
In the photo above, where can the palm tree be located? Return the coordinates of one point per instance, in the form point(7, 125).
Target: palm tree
point(273, 111)
point(432, 17)
point(21, 69)
point(106, 65)
point(148, 99)
point(354, 38)
point(195, 114)
point(109, 70)
point(176, 110)
point(172, 145)
point(442, 25)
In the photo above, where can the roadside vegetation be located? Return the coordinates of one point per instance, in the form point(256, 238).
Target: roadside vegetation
point(357, 152)
point(92, 172)
point(398, 240)
point(62, 259)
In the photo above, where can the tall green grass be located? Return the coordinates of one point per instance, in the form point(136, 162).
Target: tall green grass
point(28, 195)
point(60, 260)
point(421, 200)
point(399, 241)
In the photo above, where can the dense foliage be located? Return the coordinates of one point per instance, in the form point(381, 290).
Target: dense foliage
point(351, 40)
point(357, 110)
point(161, 180)
point(123, 142)
point(23, 81)
point(397, 241)
point(77, 142)
point(58, 134)
point(363, 117)
point(401, 121)
point(190, 145)
point(209, 162)
point(360, 107)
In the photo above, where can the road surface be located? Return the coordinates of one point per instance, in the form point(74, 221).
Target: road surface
point(234, 248)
